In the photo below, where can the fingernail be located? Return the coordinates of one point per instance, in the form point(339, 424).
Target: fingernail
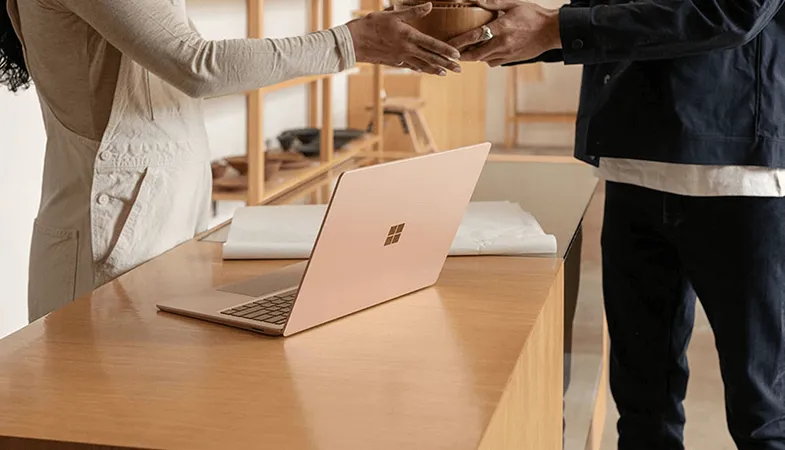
point(457, 69)
point(442, 73)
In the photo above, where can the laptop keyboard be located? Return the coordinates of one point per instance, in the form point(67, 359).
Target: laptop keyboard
point(274, 309)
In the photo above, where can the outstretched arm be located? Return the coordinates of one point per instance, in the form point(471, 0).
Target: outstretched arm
point(640, 30)
point(158, 36)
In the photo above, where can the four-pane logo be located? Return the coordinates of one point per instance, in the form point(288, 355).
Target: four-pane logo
point(394, 235)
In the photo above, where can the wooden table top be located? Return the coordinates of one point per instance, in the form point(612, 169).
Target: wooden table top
point(424, 371)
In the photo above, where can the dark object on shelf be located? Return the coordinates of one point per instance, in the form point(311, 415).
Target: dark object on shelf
point(308, 140)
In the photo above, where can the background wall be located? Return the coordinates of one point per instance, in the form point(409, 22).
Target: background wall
point(22, 149)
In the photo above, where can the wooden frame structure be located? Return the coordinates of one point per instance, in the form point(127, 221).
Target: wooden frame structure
point(261, 191)
point(534, 73)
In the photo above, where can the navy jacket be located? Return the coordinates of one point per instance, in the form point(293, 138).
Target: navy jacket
point(681, 81)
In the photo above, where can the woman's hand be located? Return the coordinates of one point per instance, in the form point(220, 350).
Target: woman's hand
point(385, 37)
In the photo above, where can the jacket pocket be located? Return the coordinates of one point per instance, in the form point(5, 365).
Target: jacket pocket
point(52, 273)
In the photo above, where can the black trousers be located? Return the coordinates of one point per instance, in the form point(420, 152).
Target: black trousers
point(659, 250)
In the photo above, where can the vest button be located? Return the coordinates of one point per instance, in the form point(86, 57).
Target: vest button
point(103, 199)
point(577, 44)
point(606, 79)
point(105, 156)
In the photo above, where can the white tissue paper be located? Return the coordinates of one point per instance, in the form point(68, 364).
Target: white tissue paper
point(290, 231)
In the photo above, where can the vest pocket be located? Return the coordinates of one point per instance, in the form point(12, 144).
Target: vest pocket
point(120, 257)
point(53, 262)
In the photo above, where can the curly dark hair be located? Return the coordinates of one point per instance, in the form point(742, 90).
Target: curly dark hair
point(13, 70)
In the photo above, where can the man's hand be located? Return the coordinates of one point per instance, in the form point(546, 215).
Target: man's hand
point(385, 37)
point(523, 31)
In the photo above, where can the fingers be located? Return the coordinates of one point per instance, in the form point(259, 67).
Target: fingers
point(434, 51)
point(481, 53)
point(496, 61)
point(434, 45)
point(473, 37)
point(435, 60)
point(466, 39)
point(414, 12)
point(421, 65)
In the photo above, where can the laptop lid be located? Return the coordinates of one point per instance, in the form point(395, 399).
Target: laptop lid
point(387, 232)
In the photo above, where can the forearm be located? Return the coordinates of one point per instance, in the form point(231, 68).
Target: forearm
point(156, 35)
point(659, 29)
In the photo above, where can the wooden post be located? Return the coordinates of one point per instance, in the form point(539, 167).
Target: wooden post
point(313, 88)
point(511, 123)
point(327, 141)
point(378, 86)
point(255, 116)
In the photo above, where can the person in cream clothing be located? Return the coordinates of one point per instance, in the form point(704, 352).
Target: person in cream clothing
point(126, 171)
point(681, 112)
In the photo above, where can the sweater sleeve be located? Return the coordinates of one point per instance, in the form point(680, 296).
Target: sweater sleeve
point(157, 35)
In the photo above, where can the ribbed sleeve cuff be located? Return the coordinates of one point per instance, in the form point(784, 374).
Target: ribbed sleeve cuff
point(579, 45)
point(345, 45)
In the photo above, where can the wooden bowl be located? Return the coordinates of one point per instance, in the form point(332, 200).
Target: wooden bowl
point(451, 19)
point(231, 183)
point(284, 156)
point(272, 162)
point(271, 168)
point(219, 169)
point(238, 163)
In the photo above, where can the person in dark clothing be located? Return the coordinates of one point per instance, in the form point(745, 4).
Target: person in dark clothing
point(681, 112)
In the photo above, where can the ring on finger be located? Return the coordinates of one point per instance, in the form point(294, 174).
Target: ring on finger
point(487, 34)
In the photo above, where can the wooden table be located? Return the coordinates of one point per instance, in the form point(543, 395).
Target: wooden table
point(475, 362)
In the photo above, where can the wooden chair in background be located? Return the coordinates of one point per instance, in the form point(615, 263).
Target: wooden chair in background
point(409, 112)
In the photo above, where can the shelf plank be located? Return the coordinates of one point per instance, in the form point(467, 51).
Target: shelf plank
point(287, 180)
point(544, 117)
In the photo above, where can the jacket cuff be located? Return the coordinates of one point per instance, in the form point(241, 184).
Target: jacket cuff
point(579, 45)
point(343, 37)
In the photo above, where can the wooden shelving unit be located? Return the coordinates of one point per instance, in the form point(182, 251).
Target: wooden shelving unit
point(516, 75)
point(320, 99)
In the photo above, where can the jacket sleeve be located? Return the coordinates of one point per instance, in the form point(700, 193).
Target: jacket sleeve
point(551, 56)
point(660, 29)
point(157, 35)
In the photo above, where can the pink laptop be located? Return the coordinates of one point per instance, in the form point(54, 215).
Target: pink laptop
point(387, 232)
